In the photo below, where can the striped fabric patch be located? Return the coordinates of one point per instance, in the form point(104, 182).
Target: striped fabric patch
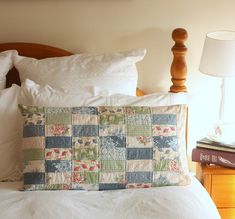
point(103, 148)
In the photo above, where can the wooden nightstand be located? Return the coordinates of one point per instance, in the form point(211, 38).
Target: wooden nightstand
point(220, 184)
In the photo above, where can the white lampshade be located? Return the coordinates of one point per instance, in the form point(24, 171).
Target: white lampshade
point(218, 56)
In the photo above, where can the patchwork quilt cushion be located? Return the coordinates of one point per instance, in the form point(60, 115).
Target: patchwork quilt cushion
point(103, 148)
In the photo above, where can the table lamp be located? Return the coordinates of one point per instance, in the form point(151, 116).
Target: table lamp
point(218, 59)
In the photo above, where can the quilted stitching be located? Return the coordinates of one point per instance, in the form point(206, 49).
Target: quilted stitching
point(102, 148)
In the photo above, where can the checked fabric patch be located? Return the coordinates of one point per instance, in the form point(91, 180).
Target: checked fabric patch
point(103, 148)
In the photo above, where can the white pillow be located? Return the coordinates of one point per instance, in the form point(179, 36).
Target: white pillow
point(151, 100)
point(114, 72)
point(38, 95)
point(6, 63)
point(9, 134)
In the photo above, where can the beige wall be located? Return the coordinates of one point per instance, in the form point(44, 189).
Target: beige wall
point(108, 25)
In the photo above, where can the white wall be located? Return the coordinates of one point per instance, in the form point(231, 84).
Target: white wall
point(108, 25)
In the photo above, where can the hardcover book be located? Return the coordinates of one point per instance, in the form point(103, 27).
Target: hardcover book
point(206, 143)
point(222, 158)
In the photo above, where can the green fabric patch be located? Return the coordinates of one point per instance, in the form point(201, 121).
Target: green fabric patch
point(112, 165)
point(139, 130)
point(112, 119)
point(31, 109)
point(58, 118)
point(138, 110)
point(33, 154)
point(90, 177)
point(34, 187)
point(162, 165)
point(88, 153)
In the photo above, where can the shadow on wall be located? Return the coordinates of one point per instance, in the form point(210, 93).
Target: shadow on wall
point(154, 70)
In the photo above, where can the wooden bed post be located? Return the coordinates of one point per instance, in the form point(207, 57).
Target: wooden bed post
point(178, 66)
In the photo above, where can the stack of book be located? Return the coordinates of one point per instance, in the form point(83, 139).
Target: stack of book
point(212, 152)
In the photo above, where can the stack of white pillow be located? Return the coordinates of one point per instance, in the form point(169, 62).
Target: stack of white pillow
point(77, 80)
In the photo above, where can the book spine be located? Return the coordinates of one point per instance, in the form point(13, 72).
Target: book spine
point(214, 157)
point(214, 147)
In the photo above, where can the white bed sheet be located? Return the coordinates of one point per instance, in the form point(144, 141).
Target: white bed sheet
point(186, 202)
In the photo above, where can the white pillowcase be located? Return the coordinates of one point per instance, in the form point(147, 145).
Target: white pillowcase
point(6, 63)
point(9, 134)
point(38, 95)
point(114, 72)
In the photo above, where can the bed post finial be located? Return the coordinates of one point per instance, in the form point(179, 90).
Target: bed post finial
point(178, 66)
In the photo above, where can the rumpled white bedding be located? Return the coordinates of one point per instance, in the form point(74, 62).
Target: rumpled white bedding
point(182, 202)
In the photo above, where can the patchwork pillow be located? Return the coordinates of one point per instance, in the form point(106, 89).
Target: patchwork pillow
point(103, 148)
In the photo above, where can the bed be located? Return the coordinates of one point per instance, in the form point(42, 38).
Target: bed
point(165, 202)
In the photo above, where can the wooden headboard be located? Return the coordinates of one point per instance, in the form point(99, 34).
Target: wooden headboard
point(40, 51)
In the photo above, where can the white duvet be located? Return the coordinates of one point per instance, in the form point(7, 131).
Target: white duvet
point(182, 202)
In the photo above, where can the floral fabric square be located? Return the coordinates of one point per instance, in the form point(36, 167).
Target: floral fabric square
point(103, 148)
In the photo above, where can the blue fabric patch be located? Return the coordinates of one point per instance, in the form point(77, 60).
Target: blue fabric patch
point(139, 153)
point(114, 141)
point(111, 186)
point(164, 119)
point(85, 110)
point(53, 166)
point(165, 142)
point(108, 152)
point(34, 178)
point(33, 130)
point(139, 177)
point(58, 142)
point(85, 130)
